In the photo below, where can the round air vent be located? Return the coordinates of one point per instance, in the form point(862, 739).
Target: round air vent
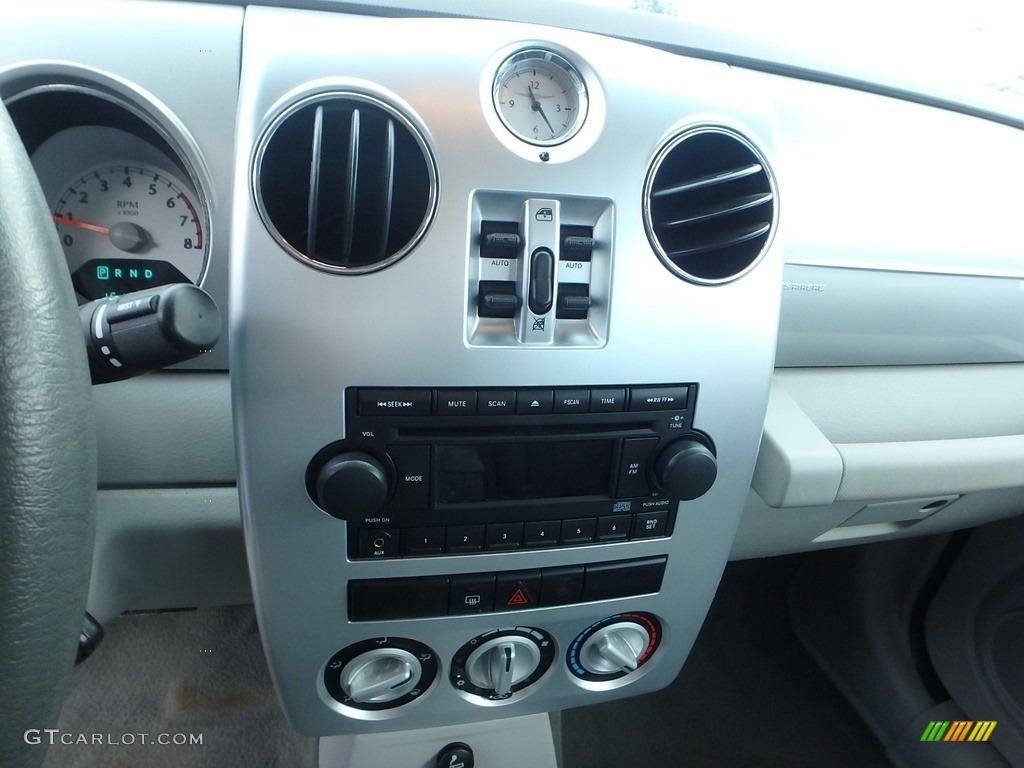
point(345, 183)
point(709, 205)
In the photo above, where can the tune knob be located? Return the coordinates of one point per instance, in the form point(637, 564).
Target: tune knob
point(352, 485)
point(686, 469)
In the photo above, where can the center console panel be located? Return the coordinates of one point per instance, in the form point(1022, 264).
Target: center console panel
point(495, 440)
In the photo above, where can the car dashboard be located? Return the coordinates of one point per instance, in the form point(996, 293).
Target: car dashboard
point(530, 330)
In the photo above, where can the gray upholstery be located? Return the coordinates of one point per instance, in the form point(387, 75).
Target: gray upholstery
point(47, 462)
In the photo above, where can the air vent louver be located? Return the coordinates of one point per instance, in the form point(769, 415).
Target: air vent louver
point(345, 183)
point(709, 205)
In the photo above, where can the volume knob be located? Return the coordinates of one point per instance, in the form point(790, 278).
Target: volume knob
point(686, 469)
point(352, 485)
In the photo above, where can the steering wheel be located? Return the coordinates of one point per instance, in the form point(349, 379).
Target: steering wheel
point(47, 463)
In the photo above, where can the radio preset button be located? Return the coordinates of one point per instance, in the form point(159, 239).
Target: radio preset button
point(456, 402)
point(412, 476)
point(572, 400)
point(658, 398)
point(504, 535)
point(636, 452)
point(542, 534)
point(607, 400)
point(424, 541)
point(534, 401)
point(495, 402)
point(579, 531)
point(613, 528)
point(385, 402)
point(465, 538)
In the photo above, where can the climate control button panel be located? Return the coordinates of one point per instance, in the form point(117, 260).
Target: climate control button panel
point(474, 593)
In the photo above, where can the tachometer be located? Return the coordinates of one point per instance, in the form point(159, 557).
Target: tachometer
point(129, 226)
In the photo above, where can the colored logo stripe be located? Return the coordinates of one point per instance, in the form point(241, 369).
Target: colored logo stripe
point(935, 731)
point(958, 730)
point(982, 730)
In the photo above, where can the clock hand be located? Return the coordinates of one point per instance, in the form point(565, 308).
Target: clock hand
point(538, 108)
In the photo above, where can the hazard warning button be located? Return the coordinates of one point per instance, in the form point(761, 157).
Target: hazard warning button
point(516, 590)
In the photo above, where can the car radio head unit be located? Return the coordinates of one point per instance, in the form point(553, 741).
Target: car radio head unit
point(428, 472)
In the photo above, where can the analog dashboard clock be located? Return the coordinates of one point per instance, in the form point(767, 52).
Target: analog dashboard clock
point(540, 97)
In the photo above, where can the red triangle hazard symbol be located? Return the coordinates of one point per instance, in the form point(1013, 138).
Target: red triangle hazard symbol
point(519, 597)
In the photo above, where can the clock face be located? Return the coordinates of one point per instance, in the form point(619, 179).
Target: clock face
point(540, 97)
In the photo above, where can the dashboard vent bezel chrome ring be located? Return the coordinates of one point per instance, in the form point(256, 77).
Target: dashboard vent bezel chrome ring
point(682, 263)
point(400, 121)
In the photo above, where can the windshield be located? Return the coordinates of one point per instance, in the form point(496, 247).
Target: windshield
point(963, 51)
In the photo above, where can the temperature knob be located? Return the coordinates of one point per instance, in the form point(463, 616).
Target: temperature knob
point(615, 647)
point(497, 665)
point(352, 485)
point(382, 673)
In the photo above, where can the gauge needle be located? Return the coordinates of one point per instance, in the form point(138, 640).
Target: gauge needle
point(81, 224)
point(538, 108)
point(123, 235)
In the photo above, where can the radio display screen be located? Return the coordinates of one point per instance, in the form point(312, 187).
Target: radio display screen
point(523, 470)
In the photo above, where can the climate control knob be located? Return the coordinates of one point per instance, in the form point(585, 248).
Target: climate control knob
point(498, 665)
point(685, 470)
point(380, 673)
point(352, 485)
point(614, 648)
